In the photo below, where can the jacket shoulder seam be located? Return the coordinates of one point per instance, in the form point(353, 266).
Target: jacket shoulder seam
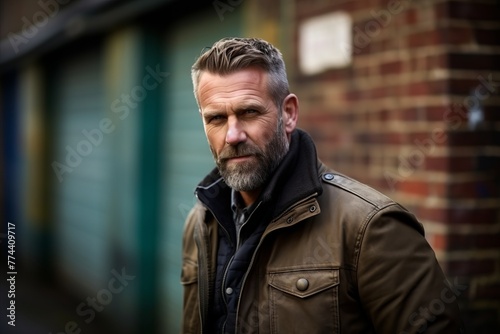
point(358, 189)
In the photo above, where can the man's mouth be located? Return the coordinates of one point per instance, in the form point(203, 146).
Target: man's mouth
point(239, 158)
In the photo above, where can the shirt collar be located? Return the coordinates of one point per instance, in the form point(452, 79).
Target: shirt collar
point(235, 201)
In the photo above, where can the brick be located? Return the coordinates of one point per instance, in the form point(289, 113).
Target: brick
point(441, 11)
point(409, 114)
point(330, 76)
point(391, 138)
point(431, 113)
point(451, 164)
point(411, 16)
point(427, 88)
point(424, 38)
point(378, 92)
point(382, 44)
point(437, 241)
point(418, 88)
point(360, 49)
point(460, 216)
point(383, 115)
point(433, 214)
point(438, 189)
point(473, 189)
point(393, 67)
point(420, 188)
point(352, 95)
point(472, 241)
point(436, 61)
point(473, 216)
point(361, 72)
point(457, 35)
point(456, 168)
point(436, 163)
point(364, 138)
point(426, 142)
point(415, 63)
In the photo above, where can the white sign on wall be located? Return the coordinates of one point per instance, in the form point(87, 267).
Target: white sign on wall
point(325, 42)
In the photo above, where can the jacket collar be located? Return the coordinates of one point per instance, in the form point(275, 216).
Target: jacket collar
point(295, 178)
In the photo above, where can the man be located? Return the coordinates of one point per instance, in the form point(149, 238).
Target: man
point(278, 242)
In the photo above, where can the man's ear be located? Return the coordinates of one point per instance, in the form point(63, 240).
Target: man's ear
point(290, 113)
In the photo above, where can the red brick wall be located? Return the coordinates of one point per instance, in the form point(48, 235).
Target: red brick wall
point(399, 118)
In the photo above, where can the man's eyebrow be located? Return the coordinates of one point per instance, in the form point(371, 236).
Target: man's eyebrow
point(248, 106)
point(211, 113)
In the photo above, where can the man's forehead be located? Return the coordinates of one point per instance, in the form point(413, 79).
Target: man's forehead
point(219, 89)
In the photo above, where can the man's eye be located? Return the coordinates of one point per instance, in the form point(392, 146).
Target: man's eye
point(216, 118)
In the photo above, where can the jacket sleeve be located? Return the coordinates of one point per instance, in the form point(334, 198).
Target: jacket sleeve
point(400, 283)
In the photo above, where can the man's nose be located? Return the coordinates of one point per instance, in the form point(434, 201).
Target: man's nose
point(235, 132)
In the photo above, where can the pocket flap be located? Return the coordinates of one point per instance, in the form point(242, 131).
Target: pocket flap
point(304, 283)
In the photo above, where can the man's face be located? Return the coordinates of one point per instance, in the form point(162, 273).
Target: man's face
point(243, 126)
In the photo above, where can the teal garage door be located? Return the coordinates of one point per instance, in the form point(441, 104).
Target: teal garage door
point(186, 156)
point(80, 173)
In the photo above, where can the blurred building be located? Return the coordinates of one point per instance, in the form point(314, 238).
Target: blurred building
point(103, 145)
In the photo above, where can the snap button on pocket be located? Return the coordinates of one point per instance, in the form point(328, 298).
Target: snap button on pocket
point(302, 284)
point(312, 208)
point(289, 220)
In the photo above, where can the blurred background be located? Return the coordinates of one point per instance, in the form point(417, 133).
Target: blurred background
point(102, 144)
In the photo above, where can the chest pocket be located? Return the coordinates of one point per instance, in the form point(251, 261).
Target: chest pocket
point(304, 301)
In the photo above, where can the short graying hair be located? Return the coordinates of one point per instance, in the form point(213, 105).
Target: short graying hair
point(229, 55)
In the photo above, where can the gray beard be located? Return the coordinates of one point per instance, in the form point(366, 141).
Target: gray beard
point(252, 175)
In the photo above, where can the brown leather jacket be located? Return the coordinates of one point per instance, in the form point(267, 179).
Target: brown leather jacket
point(349, 260)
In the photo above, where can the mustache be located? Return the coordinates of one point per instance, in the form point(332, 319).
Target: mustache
point(238, 151)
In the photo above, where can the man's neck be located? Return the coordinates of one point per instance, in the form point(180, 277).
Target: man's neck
point(249, 197)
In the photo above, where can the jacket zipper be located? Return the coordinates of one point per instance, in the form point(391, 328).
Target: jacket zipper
point(204, 274)
point(242, 225)
point(232, 258)
point(264, 235)
point(202, 293)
